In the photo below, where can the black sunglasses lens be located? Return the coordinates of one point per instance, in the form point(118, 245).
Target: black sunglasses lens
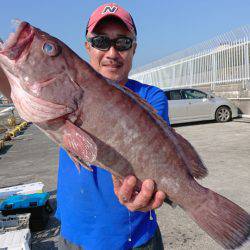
point(104, 43)
point(101, 42)
point(123, 43)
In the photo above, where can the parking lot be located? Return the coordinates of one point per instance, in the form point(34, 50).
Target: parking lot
point(224, 148)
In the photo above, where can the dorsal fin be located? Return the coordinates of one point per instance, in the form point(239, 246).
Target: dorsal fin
point(140, 100)
point(191, 158)
point(146, 106)
point(196, 167)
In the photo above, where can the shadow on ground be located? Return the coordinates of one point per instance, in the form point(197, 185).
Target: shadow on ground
point(47, 238)
point(5, 149)
point(192, 124)
point(243, 120)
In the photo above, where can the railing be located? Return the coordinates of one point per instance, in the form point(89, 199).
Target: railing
point(222, 60)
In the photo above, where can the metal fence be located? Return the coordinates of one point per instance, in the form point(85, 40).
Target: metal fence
point(222, 60)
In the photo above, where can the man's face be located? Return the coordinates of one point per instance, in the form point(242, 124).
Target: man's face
point(112, 64)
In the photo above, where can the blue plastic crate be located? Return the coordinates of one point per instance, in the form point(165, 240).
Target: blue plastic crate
point(24, 201)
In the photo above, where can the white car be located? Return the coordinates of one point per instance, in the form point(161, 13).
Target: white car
point(190, 105)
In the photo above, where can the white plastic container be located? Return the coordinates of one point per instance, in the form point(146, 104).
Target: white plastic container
point(6, 112)
point(31, 188)
point(14, 222)
point(16, 240)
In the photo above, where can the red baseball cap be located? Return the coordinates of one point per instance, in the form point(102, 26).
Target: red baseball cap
point(111, 9)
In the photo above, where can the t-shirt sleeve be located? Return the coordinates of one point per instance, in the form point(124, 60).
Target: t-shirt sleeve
point(157, 98)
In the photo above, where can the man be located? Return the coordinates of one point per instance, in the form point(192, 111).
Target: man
point(88, 207)
point(97, 211)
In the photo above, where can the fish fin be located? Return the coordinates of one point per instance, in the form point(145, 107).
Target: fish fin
point(147, 106)
point(79, 143)
point(86, 166)
point(195, 165)
point(140, 100)
point(103, 166)
point(78, 162)
point(143, 103)
point(170, 203)
point(227, 223)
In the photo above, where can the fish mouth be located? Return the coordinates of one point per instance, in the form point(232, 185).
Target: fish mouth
point(18, 41)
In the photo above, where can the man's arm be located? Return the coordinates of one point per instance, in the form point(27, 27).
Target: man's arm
point(4, 84)
point(146, 199)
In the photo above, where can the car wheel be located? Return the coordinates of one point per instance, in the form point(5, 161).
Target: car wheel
point(223, 114)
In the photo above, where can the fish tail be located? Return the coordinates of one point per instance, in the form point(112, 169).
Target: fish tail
point(227, 223)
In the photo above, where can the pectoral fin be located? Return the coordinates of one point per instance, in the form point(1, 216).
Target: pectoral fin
point(79, 162)
point(79, 144)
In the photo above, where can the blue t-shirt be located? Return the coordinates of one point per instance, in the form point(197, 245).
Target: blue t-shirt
point(91, 215)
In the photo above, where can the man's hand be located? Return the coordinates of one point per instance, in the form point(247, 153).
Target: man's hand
point(144, 200)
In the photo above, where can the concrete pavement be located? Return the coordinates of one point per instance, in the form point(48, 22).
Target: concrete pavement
point(224, 148)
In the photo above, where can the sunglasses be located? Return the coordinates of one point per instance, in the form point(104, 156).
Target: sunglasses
point(104, 43)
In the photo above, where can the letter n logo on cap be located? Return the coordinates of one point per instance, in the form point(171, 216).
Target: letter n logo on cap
point(109, 9)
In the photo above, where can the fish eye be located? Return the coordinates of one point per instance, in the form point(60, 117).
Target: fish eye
point(51, 49)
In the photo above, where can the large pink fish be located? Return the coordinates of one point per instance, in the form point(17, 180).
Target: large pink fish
point(100, 122)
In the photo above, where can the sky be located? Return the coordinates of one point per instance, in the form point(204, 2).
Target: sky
point(164, 26)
